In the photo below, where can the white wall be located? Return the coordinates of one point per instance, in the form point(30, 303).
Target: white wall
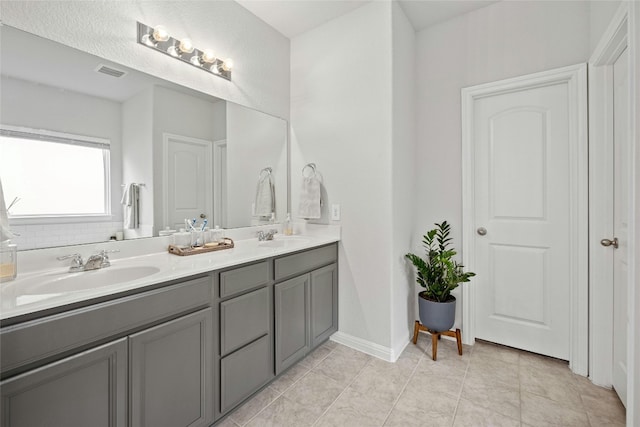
point(600, 14)
point(505, 39)
point(108, 29)
point(403, 177)
point(341, 120)
point(137, 152)
point(254, 141)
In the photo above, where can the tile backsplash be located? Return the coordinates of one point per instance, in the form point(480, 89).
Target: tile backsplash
point(50, 235)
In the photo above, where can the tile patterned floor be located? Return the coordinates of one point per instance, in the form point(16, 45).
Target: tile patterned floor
point(489, 385)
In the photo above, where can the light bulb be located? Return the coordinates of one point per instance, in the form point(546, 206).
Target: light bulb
point(148, 40)
point(186, 46)
point(173, 51)
point(208, 56)
point(227, 65)
point(160, 33)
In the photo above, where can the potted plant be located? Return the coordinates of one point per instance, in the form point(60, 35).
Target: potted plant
point(439, 274)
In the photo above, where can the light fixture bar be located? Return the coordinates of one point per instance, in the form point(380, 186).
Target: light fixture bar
point(183, 50)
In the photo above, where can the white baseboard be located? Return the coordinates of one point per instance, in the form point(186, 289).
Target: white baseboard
point(368, 347)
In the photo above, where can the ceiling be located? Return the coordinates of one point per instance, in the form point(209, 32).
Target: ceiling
point(294, 17)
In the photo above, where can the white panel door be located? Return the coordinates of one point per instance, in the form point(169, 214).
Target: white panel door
point(620, 223)
point(188, 187)
point(523, 214)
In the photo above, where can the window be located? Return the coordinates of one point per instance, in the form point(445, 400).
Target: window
point(54, 174)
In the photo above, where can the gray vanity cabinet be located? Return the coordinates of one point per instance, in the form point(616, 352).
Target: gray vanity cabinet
point(245, 346)
point(306, 306)
point(292, 306)
point(171, 373)
point(86, 389)
point(324, 304)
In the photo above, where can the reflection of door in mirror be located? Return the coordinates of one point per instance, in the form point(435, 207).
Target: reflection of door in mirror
point(220, 182)
point(188, 178)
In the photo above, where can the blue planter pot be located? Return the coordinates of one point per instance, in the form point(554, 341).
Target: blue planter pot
point(437, 316)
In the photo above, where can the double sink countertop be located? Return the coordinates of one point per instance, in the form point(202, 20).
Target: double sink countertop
point(43, 283)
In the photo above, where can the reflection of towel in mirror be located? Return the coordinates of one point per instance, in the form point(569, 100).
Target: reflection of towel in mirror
point(131, 206)
point(5, 232)
point(310, 202)
point(265, 197)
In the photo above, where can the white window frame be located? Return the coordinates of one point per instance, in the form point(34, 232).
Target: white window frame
point(64, 138)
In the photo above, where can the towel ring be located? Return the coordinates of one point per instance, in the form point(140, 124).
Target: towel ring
point(266, 170)
point(311, 166)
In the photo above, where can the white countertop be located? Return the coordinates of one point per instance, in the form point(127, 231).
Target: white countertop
point(35, 289)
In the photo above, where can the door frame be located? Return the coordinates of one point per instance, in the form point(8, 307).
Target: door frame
point(165, 171)
point(610, 46)
point(575, 77)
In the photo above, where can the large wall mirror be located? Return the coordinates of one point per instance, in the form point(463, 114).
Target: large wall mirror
point(77, 131)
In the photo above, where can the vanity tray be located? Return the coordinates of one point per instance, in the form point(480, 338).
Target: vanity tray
point(185, 251)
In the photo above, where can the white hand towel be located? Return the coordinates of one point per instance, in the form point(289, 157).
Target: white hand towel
point(265, 197)
point(131, 207)
point(5, 232)
point(310, 202)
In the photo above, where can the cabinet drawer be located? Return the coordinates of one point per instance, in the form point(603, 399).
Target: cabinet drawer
point(29, 342)
point(303, 262)
point(244, 372)
point(244, 278)
point(244, 319)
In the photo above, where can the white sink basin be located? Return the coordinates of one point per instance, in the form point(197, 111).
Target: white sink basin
point(57, 283)
point(284, 242)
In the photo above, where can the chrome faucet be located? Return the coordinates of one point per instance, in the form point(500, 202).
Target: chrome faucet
point(94, 262)
point(266, 235)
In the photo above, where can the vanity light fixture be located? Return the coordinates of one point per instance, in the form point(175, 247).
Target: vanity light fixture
point(159, 39)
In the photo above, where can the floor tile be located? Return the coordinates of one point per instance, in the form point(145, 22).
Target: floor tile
point(315, 392)
point(342, 366)
point(287, 379)
point(382, 384)
point(501, 398)
point(356, 409)
point(315, 357)
point(539, 411)
point(284, 413)
point(606, 409)
point(471, 415)
point(550, 384)
point(488, 385)
point(422, 409)
point(243, 414)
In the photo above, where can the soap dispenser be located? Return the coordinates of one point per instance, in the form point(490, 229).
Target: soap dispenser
point(287, 227)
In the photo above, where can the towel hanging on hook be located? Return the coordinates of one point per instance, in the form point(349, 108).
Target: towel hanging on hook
point(265, 203)
point(311, 166)
point(310, 193)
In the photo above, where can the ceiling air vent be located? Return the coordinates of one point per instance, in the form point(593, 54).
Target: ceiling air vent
point(110, 71)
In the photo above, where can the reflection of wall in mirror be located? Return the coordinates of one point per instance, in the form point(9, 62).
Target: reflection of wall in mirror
point(254, 141)
point(39, 106)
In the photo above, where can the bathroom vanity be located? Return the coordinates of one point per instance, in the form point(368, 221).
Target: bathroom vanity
point(184, 351)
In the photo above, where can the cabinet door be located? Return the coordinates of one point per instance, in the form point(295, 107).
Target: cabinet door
point(171, 373)
point(292, 321)
point(324, 303)
point(87, 389)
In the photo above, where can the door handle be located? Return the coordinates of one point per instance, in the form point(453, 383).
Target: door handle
point(482, 231)
point(607, 242)
point(203, 216)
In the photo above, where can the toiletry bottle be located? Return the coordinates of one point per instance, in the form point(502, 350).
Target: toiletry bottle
point(287, 227)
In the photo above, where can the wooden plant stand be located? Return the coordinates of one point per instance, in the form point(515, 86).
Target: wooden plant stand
point(435, 336)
